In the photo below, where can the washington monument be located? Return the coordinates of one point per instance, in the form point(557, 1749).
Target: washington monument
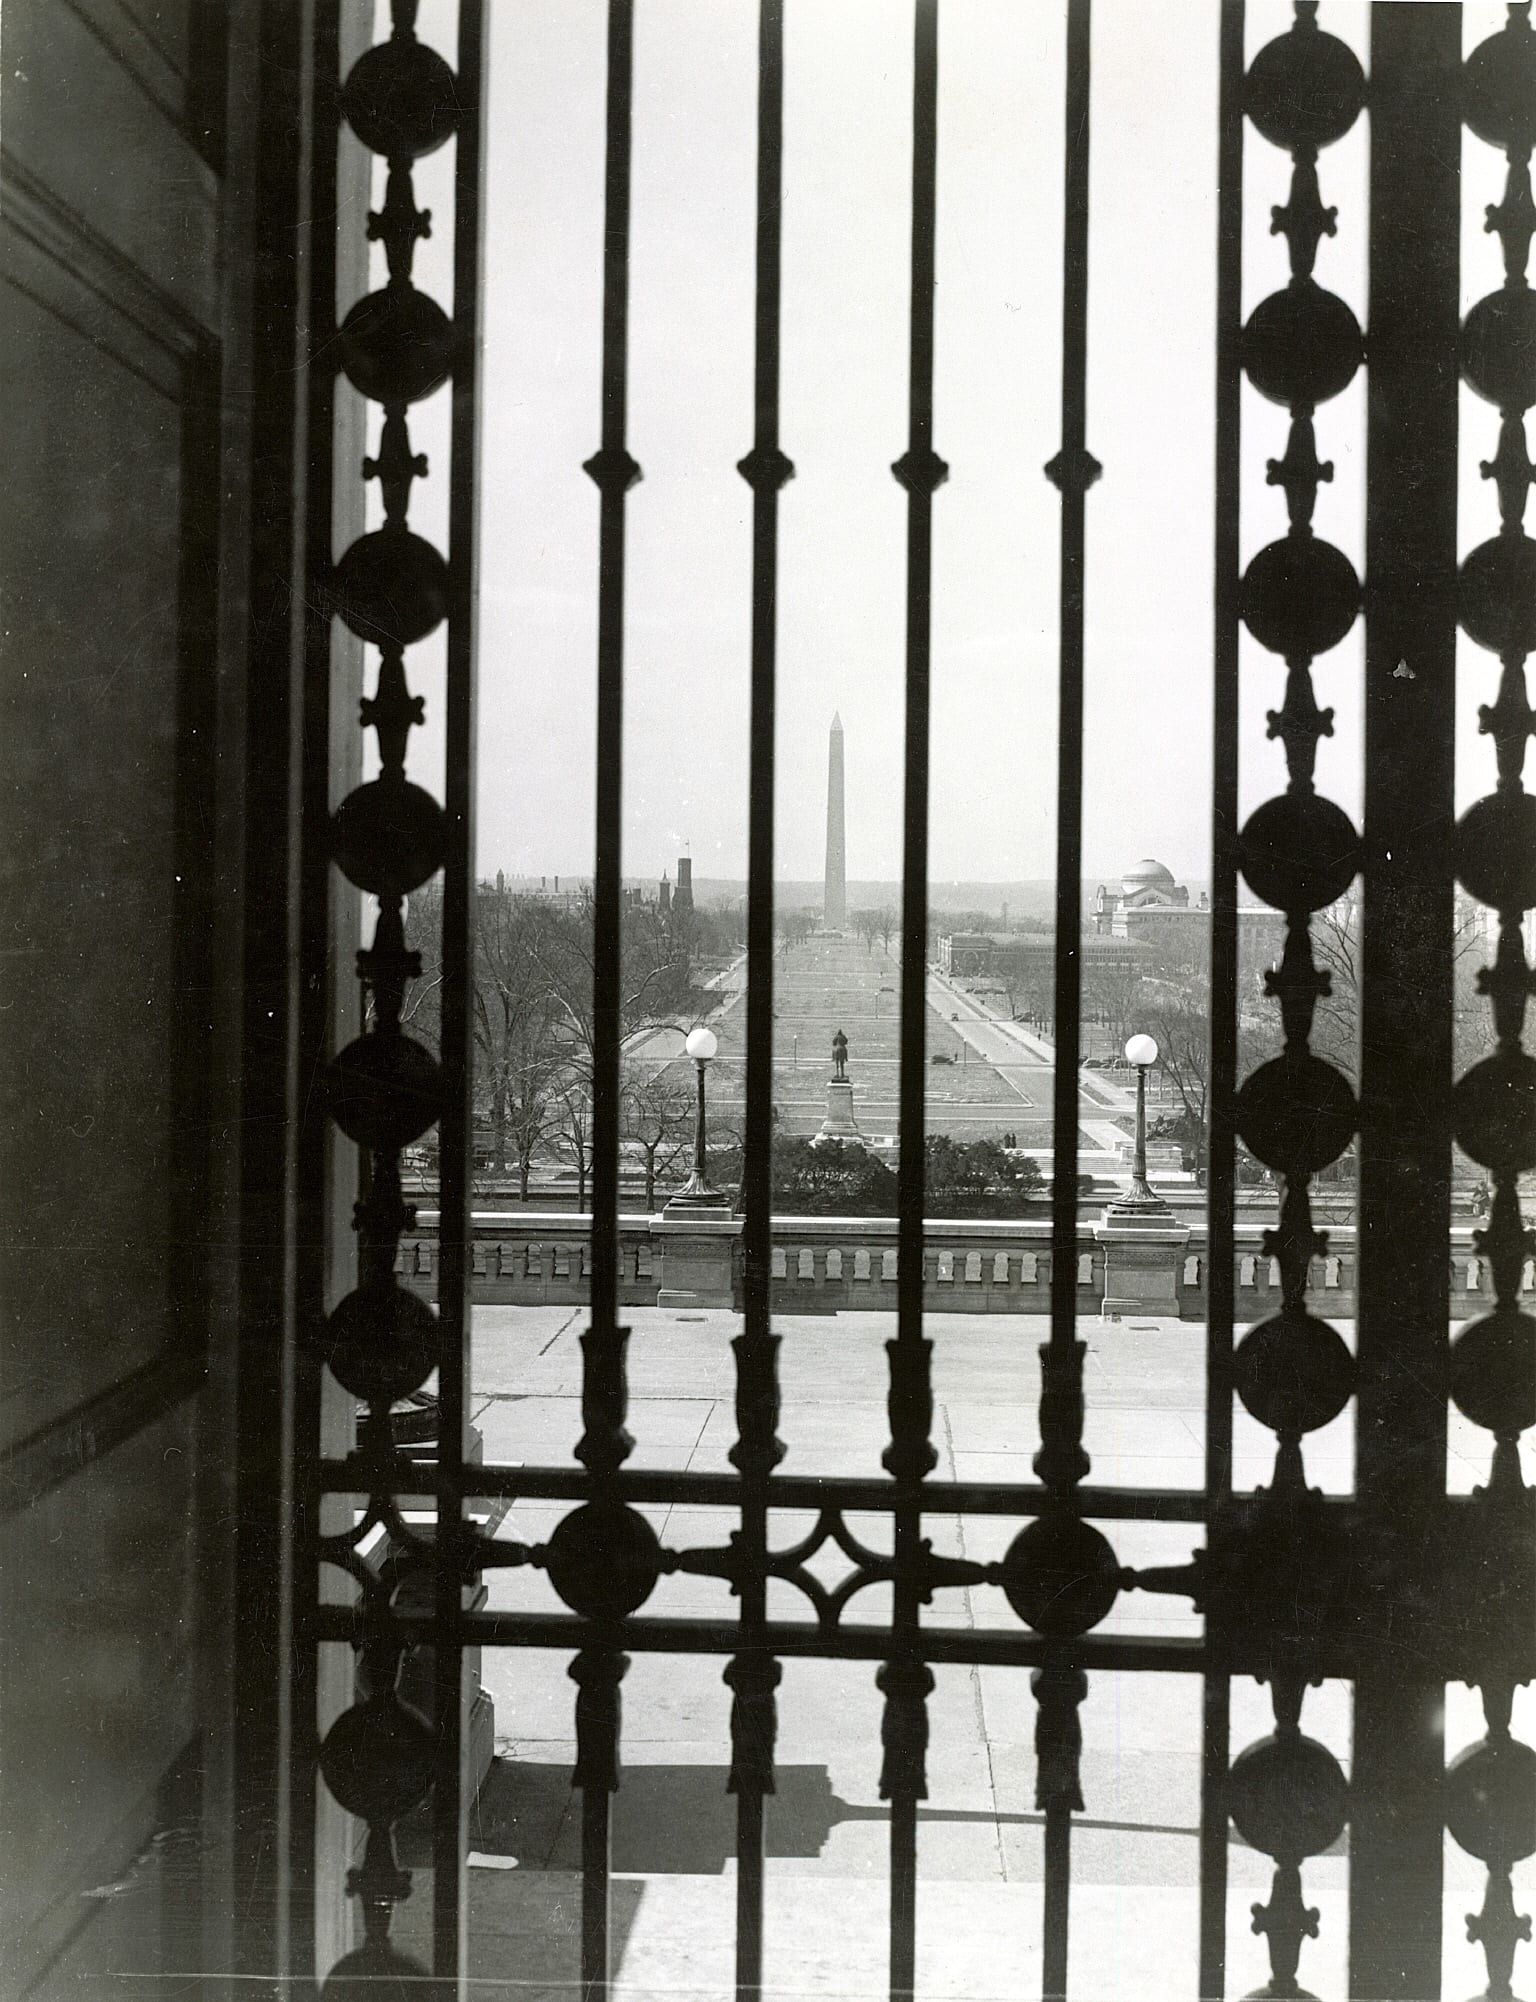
point(834, 903)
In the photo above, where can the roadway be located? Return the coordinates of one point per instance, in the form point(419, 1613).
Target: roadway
point(1010, 1049)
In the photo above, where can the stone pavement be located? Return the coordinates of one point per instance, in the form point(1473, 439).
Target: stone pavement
point(1135, 1847)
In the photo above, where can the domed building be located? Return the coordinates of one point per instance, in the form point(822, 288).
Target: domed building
point(1151, 910)
point(1146, 886)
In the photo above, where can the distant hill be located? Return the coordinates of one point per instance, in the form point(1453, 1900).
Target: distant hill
point(1033, 897)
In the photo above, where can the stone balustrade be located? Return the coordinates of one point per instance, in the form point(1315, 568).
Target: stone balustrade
point(828, 1265)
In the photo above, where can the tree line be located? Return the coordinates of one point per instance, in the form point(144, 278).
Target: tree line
point(794, 925)
point(535, 1026)
point(535, 1033)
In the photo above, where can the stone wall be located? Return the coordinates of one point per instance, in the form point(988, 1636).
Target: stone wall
point(833, 1264)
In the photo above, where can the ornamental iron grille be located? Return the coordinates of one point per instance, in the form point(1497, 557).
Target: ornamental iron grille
point(1294, 1587)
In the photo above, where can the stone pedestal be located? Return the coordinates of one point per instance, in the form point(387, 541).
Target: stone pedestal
point(697, 1240)
point(839, 1123)
point(1143, 1252)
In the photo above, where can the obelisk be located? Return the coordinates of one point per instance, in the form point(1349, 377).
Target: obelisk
point(834, 903)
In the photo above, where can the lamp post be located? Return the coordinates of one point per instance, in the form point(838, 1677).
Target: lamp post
point(1144, 1241)
point(1141, 1051)
point(702, 1046)
point(696, 1231)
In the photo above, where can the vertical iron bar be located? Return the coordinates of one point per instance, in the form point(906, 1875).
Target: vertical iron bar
point(1220, 1137)
point(1406, 997)
point(1073, 470)
point(1061, 1461)
point(450, 1807)
point(750, 1820)
point(910, 1456)
point(757, 1450)
point(920, 472)
point(316, 1002)
point(262, 1778)
point(596, 1875)
point(598, 1671)
point(1057, 1901)
point(904, 1895)
point(1216, 1754)
point(1221, 1131)
point(614, 472)
point(604, 1443)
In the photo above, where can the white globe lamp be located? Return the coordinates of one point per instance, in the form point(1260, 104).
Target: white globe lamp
point(703, 1046)
point(1141, 1051)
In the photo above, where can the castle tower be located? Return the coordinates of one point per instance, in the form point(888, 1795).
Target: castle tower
point(682, 896)
point(834, 904)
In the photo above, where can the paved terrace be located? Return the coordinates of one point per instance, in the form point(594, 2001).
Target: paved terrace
point(1134, 1909)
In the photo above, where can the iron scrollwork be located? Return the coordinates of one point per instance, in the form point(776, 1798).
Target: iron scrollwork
point(388, 838)
point(1491, 1787)
point(1299, 852)
point(1275, 1582)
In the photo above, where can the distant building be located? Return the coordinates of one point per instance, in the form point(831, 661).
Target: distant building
point(682, 897)
point(974, 955)
point(1149, 922)
point(1153, 910)
point(571, 894)
point(1147, 887)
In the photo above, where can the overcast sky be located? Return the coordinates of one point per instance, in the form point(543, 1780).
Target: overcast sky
point(842, 545)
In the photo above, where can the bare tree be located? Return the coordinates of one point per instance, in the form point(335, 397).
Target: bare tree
point(1336, 942)
point(657, 1114)
point(1180, 1024)
point(515, 1015)
point(1112, 994)
point(1475, 1036)
point(793, 928)
point(420, 1010)
point(528, 1117)
point(572, 1135)
point(727, 928)
point(562, 946)
point(887, 924)
point(1029, 989)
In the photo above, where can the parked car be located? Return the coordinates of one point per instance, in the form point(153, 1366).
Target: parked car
point(939, 1057)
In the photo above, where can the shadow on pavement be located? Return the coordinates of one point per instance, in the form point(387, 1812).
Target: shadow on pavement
point(680, 1820)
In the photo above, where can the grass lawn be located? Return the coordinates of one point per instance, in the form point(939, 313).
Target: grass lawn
point(829, 984)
